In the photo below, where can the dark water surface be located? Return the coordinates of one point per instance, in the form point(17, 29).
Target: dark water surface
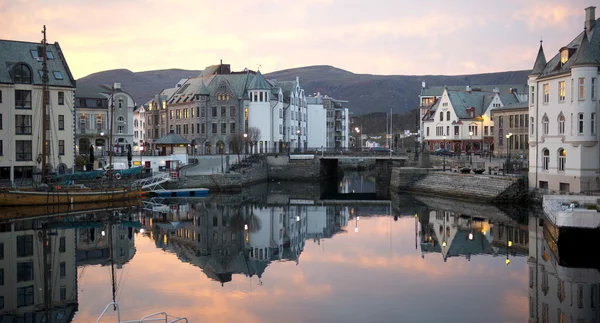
point(279, 256)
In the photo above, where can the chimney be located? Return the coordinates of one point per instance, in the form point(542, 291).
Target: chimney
point(468, 88)
point(423, 85)
point(511, 90)
point(590, 18)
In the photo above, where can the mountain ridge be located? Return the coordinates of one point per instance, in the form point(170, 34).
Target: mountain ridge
point(366, 93)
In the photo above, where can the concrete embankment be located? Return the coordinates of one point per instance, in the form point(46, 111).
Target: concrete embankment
point(471, 187)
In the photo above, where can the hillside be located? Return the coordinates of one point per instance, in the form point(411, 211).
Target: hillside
point(366, 93)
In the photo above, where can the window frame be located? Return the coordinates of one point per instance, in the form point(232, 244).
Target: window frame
point(562, 159)
point(546, 92)
point(545, 159)
point(581, 87)
point(580, 124)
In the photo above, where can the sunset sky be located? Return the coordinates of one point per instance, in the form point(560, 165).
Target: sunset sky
point(374, 37)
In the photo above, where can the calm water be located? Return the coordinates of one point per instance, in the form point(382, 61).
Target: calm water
point(270, 257)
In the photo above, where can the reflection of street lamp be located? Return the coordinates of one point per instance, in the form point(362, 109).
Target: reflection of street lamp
point(508, 242)
point(357, 129)
point(298, 132)
point(444, 153)
point(471, 229)
point(507, 152)
point(471, 148)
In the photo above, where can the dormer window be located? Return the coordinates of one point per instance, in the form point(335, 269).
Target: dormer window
point(564, 55)
point(22, 74)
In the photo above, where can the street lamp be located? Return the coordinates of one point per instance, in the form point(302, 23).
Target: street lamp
point(444, 153)
point(471, 148)
point(245, 144)
point(298, 132)
point(141, 153)
point(507, 151)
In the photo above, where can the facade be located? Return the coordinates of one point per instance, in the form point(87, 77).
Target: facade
point(20, 106)
point(21, 295)
point(338, 130)
point(512, 121)
point(431, 94)
point(93, 120)
point(563, 110)
point(316, 122)
point(139, 128)
point(460, 120)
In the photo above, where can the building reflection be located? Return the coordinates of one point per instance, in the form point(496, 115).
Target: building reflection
point(22, 275)
point(452, 234)
point(560, 292)
point(225, 239)
point(71, 241)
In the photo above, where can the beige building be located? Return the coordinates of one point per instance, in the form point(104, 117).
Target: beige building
point(511, 133)
point(20, 106)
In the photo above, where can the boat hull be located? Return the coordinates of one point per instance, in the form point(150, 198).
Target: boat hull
point(25, 198)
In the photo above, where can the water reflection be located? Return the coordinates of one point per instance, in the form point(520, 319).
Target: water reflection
point(282, 258)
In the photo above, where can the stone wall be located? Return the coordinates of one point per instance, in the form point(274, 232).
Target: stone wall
point(282, 168)
point(225, 182)
point(480, 188)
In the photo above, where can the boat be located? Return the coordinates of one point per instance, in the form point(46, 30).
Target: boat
point(59, 190)
point(61, 210)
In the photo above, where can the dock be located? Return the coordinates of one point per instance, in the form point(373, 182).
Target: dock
point(198, 192)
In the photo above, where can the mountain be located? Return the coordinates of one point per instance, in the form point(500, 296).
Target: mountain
point(366, 93)
point(141, 85)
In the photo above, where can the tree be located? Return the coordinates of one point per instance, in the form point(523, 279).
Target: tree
point(253, 136)
point(237, 144)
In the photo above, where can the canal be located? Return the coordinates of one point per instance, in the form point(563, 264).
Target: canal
point(289, 252)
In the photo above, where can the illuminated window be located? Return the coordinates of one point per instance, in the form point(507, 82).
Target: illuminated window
point(581, 88)
point(545, 159)
point(545, 125)
point(562, 160)
point(546, 93)
point(564, 55)
point(562, 91)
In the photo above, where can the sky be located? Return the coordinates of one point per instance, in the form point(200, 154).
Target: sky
point(385, 37)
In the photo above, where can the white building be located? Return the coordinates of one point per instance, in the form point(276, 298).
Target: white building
point(139, 128)
point(20, 106)
point(564, 154)
point(316, 122)
point(460, 120)
point(21, 270)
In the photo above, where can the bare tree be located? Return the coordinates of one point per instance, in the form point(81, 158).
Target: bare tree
point(253, 136)
point(237, 144)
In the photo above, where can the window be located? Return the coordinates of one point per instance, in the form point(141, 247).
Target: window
point(473, 129)
point(592, 123)
point(546, 93)
point(580, 124)
point(62, 270)
point(120, 103)
point(564, 55)
point(280, 129)
point(532, 94)
point(63, 293)
point(62, 245)
point(49, 54)
point(58, 75)
point(24, 271)
point(511, 123)
point(562, 91)
point(232, 128)
point(22, 99)
point(232, 111)
point(61, 147)
point(532, 127)
point(441, 116)
point(0, 96)
point(23, 150)
point(561, 124)
point(545, 159)
point(486, 131)
point(214, 112)
point(23, 124)
point(545, 125)
point(448, 115)
point(61, 122)
point(214, 127)
point(120, 129)
point(427, 131)
point(25, 296)
point(223, 127)
point(594, 88)
point(61, 98)
point(223, 112)
point(500, 122)
point(22, 74)
point(562, 159)
point(581, 88)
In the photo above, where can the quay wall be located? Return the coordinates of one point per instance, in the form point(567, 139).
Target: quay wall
point(472, 187)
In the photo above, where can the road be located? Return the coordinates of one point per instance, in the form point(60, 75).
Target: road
point(210, 164)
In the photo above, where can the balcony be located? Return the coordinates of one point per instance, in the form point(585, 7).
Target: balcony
point(340, 138)
point(340, 117)
point(340, 129)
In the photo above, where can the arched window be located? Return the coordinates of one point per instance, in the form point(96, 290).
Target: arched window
point(561, 123)
point(135, 123)
point(82, 122)
point(545, 125)
point(120, 103)
point(441, 116)
point(562, 159)
point(545, 159)
point(22, 74)
point(100, 122)
point(120, 119)
point(448, 115)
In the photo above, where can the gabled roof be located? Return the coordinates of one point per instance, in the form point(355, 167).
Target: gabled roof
point(259, 83)
point(540, 62)
point(463, 100)
point(437, 91)
point(15, 52)
point(172, 139)
point(202, 89)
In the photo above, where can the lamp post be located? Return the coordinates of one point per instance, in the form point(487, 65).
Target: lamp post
point(245, 144)
point(471, 148)
point(141, 153)
point(357, 129)
point(507, 151)
point(444, 153)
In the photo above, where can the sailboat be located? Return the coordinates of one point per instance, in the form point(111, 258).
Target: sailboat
point(53, 194)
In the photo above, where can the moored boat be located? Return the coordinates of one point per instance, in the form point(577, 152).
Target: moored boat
point(62, 195)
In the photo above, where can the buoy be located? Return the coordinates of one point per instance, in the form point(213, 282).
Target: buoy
point(118, 175)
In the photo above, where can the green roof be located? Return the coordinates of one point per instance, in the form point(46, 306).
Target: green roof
point(586, 54)
point(437, 91)
point(172, 139)
point(259, 83)
point(202, 89)
point(17, 52)
point(540, 61)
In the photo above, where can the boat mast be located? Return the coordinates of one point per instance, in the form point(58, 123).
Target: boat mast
point(44, 107)
point(110, 152)
point(45, 266)
point(112, 263)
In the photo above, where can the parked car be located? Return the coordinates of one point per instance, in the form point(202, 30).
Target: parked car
point(443, 152)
